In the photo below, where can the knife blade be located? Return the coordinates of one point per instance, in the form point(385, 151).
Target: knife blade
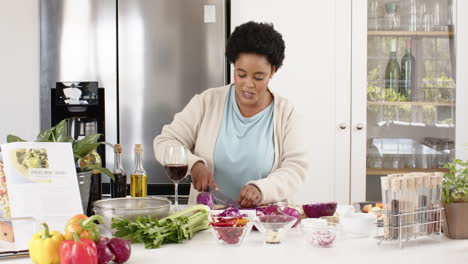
point(222, 198)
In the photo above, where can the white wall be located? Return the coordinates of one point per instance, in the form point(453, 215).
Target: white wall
point(19, 69)
point(461, 129)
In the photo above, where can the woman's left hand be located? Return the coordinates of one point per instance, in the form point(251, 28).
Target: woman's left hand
point(250, 196)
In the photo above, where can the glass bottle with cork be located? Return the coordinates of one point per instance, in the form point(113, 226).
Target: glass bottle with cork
point(119, 184)
point(392, 71)
point(138, 178)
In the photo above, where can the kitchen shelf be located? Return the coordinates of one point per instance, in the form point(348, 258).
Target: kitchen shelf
point(385, 171)
point(422, 34)
point(411, 103)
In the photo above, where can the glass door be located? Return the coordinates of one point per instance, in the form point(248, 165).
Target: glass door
point(410, 88)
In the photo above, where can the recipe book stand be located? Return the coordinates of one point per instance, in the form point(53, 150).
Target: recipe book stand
point(16, 232)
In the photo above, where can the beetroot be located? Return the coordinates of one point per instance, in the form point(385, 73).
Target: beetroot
point(319, 209)
point(104, 254)
point(121, 248)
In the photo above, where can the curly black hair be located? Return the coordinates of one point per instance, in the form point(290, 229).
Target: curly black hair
point(259, 38)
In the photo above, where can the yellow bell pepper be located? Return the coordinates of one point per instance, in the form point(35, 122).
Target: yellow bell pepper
point(44, 246)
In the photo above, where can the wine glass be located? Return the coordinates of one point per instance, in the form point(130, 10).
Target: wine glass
point(176, 166)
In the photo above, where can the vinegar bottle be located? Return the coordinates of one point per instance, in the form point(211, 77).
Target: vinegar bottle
point(119, 184)
point(138, 178)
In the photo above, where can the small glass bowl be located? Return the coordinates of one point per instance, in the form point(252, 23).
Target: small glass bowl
point(319, 234)
point(230, 236)
point(274, 227)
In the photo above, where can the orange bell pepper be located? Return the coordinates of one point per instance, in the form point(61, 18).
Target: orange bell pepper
point(83, 226)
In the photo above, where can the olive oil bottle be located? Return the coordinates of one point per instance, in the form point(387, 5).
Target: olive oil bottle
point(138, 178)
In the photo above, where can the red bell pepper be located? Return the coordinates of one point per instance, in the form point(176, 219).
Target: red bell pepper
point(229, 222)
point(78, 251)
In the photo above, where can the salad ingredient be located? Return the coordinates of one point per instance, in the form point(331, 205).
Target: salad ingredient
point(229, 222)
point(377, 209)
point(121, 248)
point(78, 251)
point(323, 238)
point(273, 237)
point(231, 212)
point(271, 209)
point(44, 246)
point(171, 229)
point(230, 235)
point(319, 209)
point(274, 227)
point(293, 212)
point(317, 232)
point(230, 225)
point(104, 254)
point(83, 226)
point(274, 209)
point(206, 198)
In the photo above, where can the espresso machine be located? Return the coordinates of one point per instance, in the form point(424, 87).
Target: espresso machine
point(82, 104)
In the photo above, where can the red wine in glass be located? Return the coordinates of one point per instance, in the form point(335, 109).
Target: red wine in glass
point(176, 166)
point(176, 172)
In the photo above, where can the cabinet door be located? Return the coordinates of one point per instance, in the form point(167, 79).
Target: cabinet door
point(406, 107)
point(316, 78)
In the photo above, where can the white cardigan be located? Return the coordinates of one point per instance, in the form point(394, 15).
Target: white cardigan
point(197, 128)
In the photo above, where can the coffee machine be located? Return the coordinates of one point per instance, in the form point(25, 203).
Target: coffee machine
point(82, 104)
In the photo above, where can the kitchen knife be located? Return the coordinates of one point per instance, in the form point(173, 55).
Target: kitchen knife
point(222, 198)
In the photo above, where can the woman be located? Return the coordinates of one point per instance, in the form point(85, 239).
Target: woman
point(243, 139)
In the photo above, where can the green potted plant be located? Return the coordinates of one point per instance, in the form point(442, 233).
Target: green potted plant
point(84, 153)
point(455, 199)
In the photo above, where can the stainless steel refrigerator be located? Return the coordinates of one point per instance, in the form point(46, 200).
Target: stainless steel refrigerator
point(151, 57)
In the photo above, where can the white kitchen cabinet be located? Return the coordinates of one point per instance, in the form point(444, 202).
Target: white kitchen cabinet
point(316, 76)
point(325, 74)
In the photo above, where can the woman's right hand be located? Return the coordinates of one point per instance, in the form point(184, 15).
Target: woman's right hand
point(202, 178)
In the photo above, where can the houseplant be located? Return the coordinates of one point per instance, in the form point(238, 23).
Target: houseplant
point(81, 148)
point(455, 199)
point(84, 150)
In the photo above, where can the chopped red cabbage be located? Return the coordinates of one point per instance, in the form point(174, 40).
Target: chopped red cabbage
point(206, 198)
point(274, 209)
point(271, 209)
point(231, 212)
point(319, 209)
point(292, 212)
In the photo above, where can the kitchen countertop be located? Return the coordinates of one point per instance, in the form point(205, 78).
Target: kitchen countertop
point(203, 249)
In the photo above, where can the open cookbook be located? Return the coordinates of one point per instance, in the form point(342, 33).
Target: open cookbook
point(38, 184)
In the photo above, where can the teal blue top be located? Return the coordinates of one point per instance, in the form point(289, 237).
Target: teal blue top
point(244, 149)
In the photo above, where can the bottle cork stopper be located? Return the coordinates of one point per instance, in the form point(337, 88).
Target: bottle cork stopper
point(411, 183)
point(439, 174)
point(396, 184)
point(404, 184)
point(118, 148)
point(385, 182)
point(427, 181)
point(96, 172)
point(138, 148)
